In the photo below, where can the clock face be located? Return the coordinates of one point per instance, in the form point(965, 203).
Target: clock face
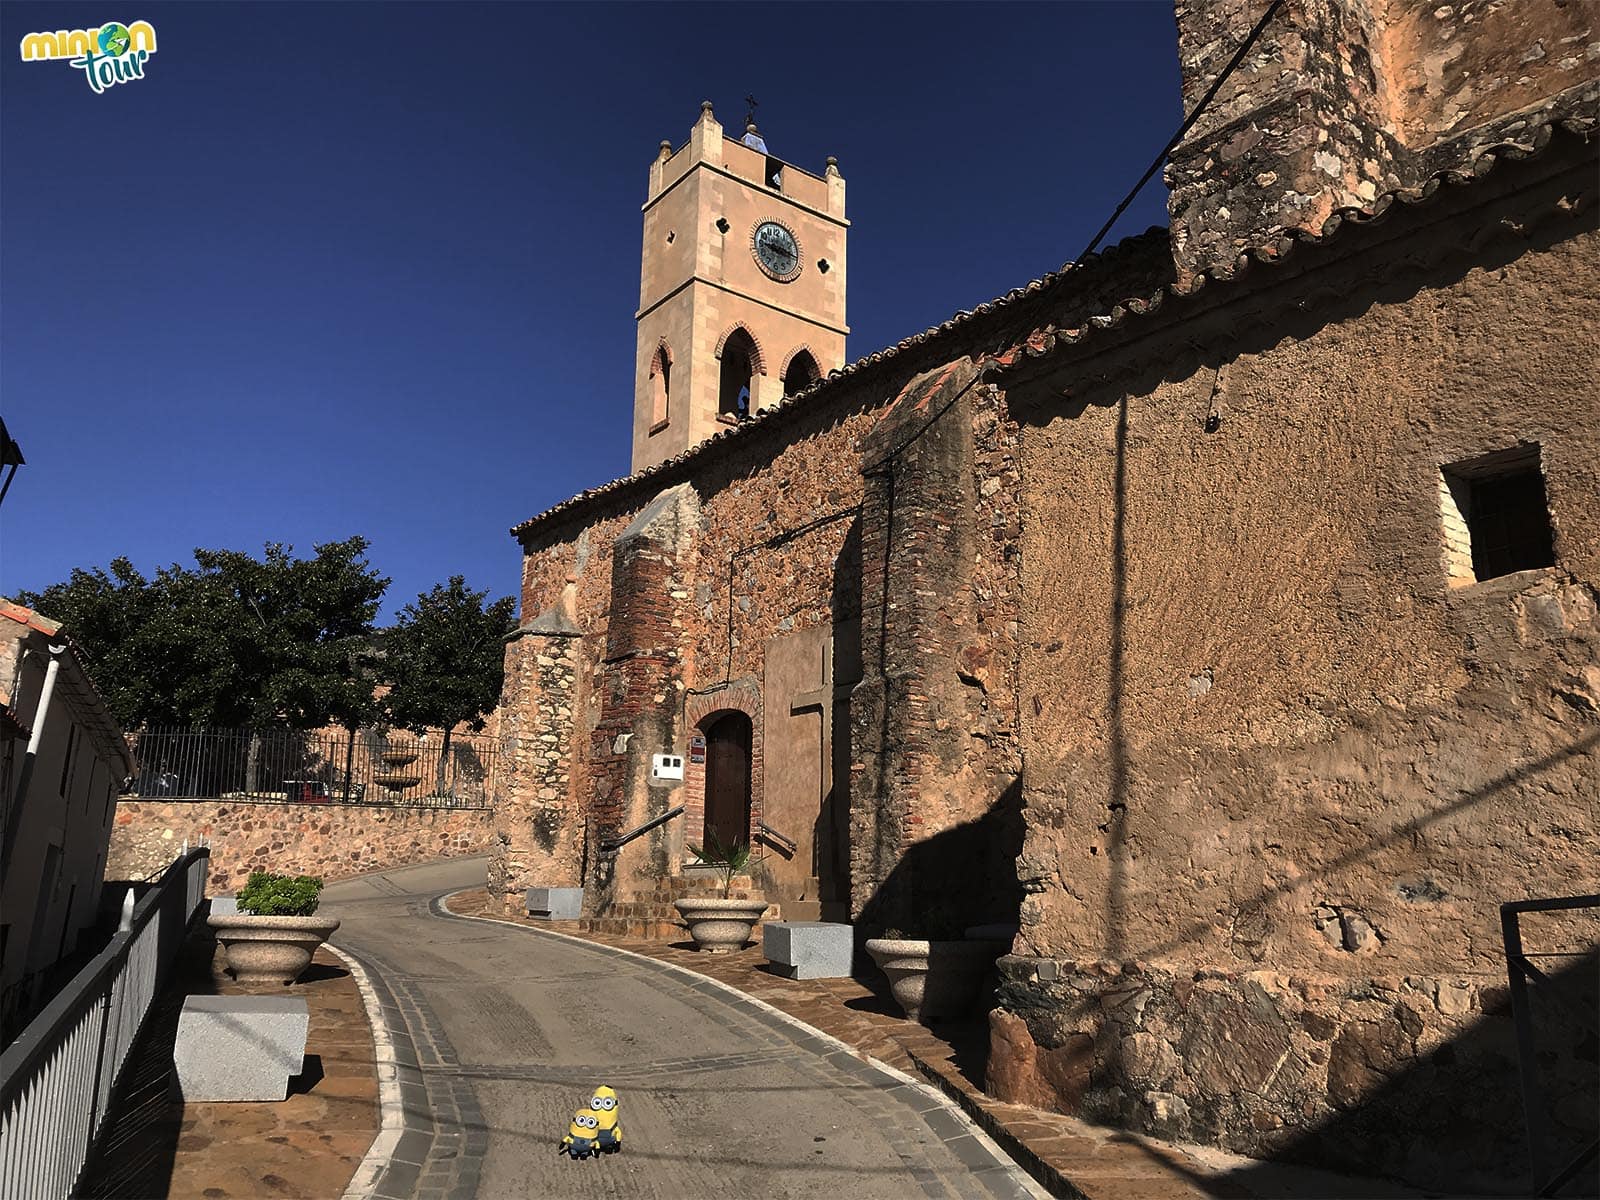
point(777, 253)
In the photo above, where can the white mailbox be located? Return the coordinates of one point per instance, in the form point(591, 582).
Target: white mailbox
point(666, 767)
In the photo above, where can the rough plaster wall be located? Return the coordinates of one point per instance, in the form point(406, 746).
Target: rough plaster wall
point(1312, 725)
point(756, 496)
point(1279, 772)
point(1459, 65)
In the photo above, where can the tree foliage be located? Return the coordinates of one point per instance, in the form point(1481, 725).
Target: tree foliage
point(444, 658)
point(444, 662)
point(233, 641)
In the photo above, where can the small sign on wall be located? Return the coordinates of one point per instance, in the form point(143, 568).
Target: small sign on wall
point(697, 749)
point(667, 768)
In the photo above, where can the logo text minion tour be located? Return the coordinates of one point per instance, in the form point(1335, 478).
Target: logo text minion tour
point(112, 54)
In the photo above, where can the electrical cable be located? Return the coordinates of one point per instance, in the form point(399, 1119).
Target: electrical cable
point(1188, 123)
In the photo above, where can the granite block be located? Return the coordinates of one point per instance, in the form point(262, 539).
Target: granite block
point(555, 904)
point(240, 1047)
point(809, 949)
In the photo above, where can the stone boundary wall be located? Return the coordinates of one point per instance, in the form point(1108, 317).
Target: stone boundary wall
point(333, 841)
point(1410, 1077)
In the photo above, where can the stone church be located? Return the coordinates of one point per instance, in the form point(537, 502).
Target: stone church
point(1218, 611)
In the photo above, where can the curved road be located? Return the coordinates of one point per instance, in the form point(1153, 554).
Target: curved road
point(502, 1031)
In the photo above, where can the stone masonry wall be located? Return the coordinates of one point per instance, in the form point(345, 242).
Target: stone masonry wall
point(935, 819)
point(637, 685)
point(757, 513)
point(538, 836)
point(1281, 768)
point(334, 841)
point(1341, 100)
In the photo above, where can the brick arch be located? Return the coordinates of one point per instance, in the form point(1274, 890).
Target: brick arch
point(743, 696)
point(758, 359)
point(662, 355)
point(795, 353)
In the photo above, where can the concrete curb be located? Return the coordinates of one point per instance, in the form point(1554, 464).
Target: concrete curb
point(1052, 1180)
point(392, 1121)
point(1025, 1183)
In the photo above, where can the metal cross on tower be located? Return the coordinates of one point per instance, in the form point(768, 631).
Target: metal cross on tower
point(750, 116)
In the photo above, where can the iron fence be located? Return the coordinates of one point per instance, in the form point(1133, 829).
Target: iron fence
point(367, 766)
point(57, 1077)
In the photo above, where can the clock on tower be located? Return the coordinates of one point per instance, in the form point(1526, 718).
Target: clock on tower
point(742, 286)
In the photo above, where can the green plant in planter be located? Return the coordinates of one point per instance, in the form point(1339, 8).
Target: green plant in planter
point(269, 895)
point(728, 860)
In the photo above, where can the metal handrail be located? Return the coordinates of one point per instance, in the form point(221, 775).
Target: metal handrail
point(57, 1078)
point(1520, 971)
point(782, 841)
point(612, 845)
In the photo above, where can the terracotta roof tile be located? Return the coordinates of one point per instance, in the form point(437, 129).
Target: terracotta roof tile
point(1282, 247)
point(23, 615)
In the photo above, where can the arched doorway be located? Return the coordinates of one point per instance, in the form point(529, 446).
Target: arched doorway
point(728, 742)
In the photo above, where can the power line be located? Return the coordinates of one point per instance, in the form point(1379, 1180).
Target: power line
point(1188, 123)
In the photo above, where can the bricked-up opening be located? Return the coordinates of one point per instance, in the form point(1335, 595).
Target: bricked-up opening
point(733, 395)
point(1496, 518)
point(660, 387)
point(801, 374)
point(728, 746)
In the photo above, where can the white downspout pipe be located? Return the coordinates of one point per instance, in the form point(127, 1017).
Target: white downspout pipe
point(25, 775)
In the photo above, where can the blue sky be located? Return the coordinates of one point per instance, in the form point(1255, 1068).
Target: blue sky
point(372, 268)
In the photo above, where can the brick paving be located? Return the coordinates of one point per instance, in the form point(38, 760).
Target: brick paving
point(304, 1148)
point(1069, 1157)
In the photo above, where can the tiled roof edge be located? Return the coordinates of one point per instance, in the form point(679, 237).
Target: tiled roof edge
point(1045, 342)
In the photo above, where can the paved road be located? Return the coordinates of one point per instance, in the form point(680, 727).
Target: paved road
point(513, 1028)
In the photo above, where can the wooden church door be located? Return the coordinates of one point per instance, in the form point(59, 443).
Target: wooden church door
point(728, 780)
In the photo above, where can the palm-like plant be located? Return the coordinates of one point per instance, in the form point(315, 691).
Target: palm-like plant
point(729, 860)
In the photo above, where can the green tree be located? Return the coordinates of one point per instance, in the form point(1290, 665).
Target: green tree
point(107, 614)
point(234, 641)
point(444, 661)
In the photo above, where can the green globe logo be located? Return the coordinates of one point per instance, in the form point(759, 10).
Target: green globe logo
point(114, 39)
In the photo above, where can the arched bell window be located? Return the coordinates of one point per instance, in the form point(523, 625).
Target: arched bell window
point(735, 401)
point(660, 386)
point(801, 372)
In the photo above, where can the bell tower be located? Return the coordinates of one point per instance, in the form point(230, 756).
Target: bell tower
point(741, 286)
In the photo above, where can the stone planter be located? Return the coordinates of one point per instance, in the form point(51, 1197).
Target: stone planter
point(270, 949)
point(934, 979)
point(719, 926)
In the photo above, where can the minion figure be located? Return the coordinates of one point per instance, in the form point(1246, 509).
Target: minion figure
point(580, 1140)
point(604, 1105)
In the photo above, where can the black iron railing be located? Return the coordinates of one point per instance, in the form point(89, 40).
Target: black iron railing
point(612, 845)
point(366, 766)
point(1549, 1174)
point(784, 844)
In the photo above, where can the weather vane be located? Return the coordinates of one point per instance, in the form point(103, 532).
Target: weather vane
point(750, 117)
